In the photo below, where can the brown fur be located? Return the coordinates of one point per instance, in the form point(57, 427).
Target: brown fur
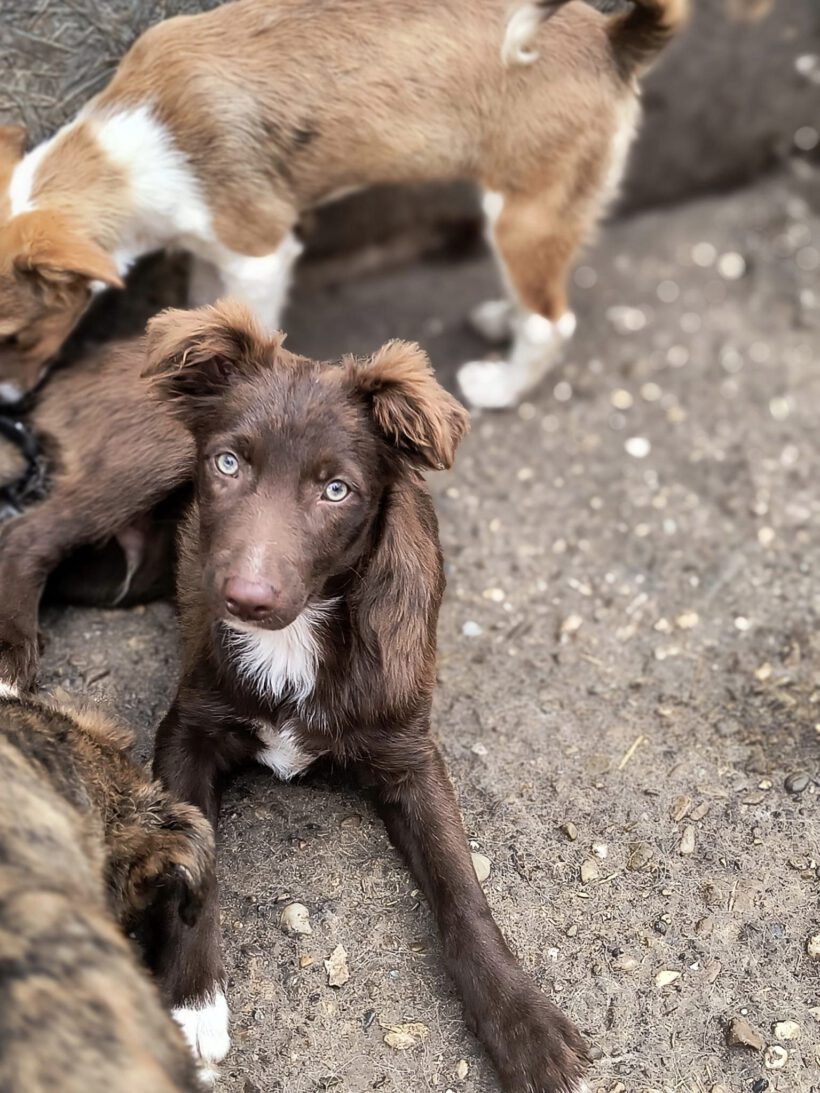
point(373, 559)
point(280, 105)
point(112, 457)
point(87, 844)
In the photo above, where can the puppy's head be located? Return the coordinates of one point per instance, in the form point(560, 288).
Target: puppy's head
point(48, 271)
point(295, 456)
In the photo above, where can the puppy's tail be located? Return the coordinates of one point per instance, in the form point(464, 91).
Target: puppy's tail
point(637, 35)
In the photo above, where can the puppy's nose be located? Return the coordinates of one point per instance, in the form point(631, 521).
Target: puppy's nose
point(248, 600)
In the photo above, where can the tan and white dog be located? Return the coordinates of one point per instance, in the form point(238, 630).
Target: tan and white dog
point(218, 130)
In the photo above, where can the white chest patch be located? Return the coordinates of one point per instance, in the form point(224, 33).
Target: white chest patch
point(279, 663)
point(22, 179)
point(281, 753)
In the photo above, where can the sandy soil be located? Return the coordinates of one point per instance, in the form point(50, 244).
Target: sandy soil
point(628, 656)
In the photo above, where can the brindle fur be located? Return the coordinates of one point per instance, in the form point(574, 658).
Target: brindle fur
point(87, 844)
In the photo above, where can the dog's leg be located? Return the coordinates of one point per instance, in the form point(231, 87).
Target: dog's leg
point(262, 283)
point(534, 246)
point(533, 1045)
point(187, 960)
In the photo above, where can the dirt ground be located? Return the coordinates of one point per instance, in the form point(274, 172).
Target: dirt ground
point(628, 655)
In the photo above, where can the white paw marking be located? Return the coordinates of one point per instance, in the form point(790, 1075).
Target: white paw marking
point(488, 385)
point(496, 385)
point(493, 320)
point(205, 1027)
point(276, 662)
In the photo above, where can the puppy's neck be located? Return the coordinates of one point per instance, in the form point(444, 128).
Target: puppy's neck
point(117, 175)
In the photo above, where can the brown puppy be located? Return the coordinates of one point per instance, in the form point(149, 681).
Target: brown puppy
point(113, 462)
point(87, 844)
point(310, 581)
point(218, 130)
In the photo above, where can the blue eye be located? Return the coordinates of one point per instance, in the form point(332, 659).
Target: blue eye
point(336, 490)
point(227, 463)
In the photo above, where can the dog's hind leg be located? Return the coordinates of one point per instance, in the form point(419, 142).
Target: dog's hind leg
point(534, 239)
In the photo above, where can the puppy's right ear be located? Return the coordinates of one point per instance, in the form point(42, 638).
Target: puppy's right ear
point(193, 356)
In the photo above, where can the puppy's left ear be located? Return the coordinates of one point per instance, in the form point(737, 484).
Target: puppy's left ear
point(193, 356)
point(409, 405)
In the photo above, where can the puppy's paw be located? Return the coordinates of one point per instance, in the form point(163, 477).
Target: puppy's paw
point(535, 1048)
point(19, 654)
point(493, 321)
point(165, 853)
point(490, 385)
point(204, 1023)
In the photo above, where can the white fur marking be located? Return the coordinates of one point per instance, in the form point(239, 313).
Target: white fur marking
point(9, 690)
point(281, 752)
point(205, 1027)
point(496, 385)
point(167, 205)
point(521, 29)
point(262, 283)
point(491, 204)
point(22, 179)
point(276, 662)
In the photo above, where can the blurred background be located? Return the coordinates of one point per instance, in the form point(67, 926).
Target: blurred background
point(629, 645)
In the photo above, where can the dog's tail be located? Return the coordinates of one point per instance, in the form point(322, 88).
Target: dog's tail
point(637, 35)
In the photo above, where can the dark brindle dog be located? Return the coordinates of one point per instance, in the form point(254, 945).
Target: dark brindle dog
point(87, 843)
point(309, 585)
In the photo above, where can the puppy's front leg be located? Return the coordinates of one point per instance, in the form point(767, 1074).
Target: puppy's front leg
point(535, 1048)
point(188, 959)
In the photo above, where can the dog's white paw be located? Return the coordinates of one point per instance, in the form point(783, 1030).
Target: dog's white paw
point(489, 385)
point(493, 320)
point(205, 1026)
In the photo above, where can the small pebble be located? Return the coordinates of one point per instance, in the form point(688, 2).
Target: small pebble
point(680, 807)
point(797, 782)
point(625, 963)
point(600, 850)
point(813, 946)
point(570, 830)
point(687, 620)
point(740, 1033)
point(336, 967)
point(462, 1069)
point(731, 266)
point(572, 624)
point(295, 919)
point(479, 749)
point(787, 1030)
point(589, 871)
point(638, 447)
point(481, 864)
point(496, 595)
point(775, 1057)
point(666, 976)
point(402, 1037)
point(471, 629)
point(687, 842)
point(760, 1086)
point(640, 855)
